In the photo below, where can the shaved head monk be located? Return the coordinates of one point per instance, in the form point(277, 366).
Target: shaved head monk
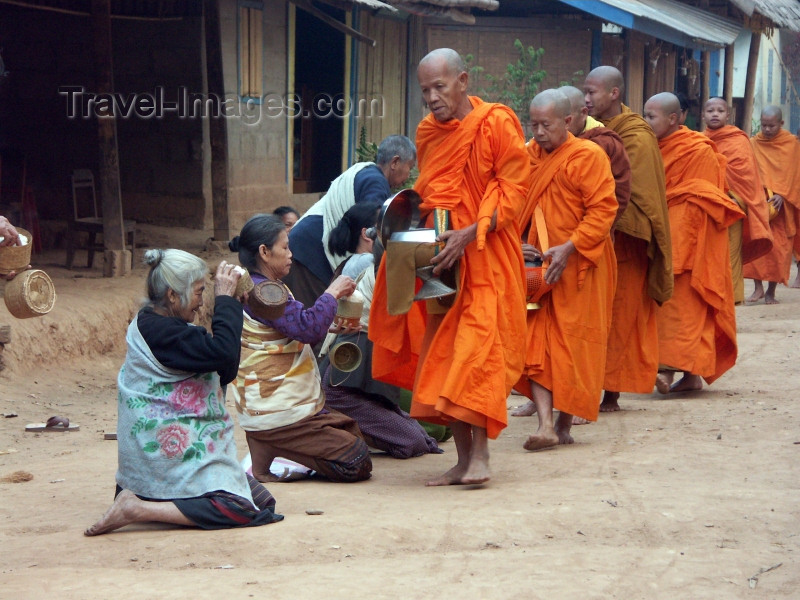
point(583, 126)
point(777, 154)
point(697, 326)
point(461, 361)
point(751, 238)
point(641, 243)
point(573, 188)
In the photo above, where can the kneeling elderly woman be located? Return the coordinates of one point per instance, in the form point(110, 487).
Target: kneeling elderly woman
point(176, 450)
point(278, 393)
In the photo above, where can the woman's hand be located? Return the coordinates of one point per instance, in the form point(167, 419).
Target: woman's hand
point(337, 329)
point(8, 232)
point(342, 286)
point(225, 279)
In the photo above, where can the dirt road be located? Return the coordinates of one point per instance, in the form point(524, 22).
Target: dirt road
point(685, 497)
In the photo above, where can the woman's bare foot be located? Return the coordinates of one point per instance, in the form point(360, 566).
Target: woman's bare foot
point(540, 441)
point(687, 383)
point(664, 381)
point(121, 513)
point(452, 477)
point(526, 410)
point(610, 402)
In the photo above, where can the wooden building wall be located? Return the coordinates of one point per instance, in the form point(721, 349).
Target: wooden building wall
point(382, 79)
point(567, 46)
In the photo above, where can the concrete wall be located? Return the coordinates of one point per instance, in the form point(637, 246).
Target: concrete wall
point(257, 176)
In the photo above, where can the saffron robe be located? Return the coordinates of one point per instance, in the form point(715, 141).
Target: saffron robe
point(697, 326)
point(778, 159)
point(644, 262)
point(462, 364)
point(567, 337)
point(745, 182)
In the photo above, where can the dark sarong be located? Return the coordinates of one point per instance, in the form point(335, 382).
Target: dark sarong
point(383, 424)
point(304, 285)
point(223, 510)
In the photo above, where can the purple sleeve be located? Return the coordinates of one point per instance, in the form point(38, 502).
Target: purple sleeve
point(307, 325)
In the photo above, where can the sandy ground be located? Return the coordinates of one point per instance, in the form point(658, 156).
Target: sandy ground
point(686, 497)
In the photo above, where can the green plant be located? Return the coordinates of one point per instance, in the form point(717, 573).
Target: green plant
point(365, 151)
point(519, 84)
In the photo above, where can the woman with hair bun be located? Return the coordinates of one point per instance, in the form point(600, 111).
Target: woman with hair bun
point(278, 394)
point(176, 449)
point(372, 404)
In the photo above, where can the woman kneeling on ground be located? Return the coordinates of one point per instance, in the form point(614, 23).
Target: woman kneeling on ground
point(372, 404)
point(278, 395)
point(177, 454)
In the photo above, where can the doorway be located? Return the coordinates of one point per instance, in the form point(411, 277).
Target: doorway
point(318, 80)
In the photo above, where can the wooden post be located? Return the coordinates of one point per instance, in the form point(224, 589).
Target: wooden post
point(218, 128)
point(117, 259)
point(750, 83)
point(705, 73)
point(727, 83)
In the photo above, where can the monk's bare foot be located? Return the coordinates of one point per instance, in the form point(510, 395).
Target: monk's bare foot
point(452, 477)
point(610, 402)
point(796, 283)
point(121, 513)
point(541, 440)
point(526, 410)
point(755, 296)
point(477, 473)
point(580, 421)
point(564, 436)
point(687, 383)
point(770, 300)
point(664, 382)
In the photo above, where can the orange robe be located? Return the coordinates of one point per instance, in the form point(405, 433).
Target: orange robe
point(568, 335)
point(697, 326)
point(745, 182)
point(778, 162)
point(644, 262)
point(462, 365)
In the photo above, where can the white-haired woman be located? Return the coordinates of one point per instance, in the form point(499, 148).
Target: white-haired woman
point(177, 455)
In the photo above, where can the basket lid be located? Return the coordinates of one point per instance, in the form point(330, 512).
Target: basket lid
point(270, 293)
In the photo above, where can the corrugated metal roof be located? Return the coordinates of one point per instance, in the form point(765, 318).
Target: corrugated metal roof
point(665, 19)
point(784, 13)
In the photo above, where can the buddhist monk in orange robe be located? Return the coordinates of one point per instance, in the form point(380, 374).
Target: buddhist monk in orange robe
point(745, 183)
point(777, 153)
point(581, 125)
point(462, 364)
point(641, 244)
point(572, 184)
point(697, 326)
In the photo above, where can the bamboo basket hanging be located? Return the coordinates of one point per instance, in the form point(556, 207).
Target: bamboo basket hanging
point(30, 294)
point(16, 258)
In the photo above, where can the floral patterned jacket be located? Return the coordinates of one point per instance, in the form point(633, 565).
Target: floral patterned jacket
point(175, 436)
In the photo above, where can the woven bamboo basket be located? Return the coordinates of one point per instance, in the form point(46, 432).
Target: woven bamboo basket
point(16, 258)
point(30, 294)
point(268, 300)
